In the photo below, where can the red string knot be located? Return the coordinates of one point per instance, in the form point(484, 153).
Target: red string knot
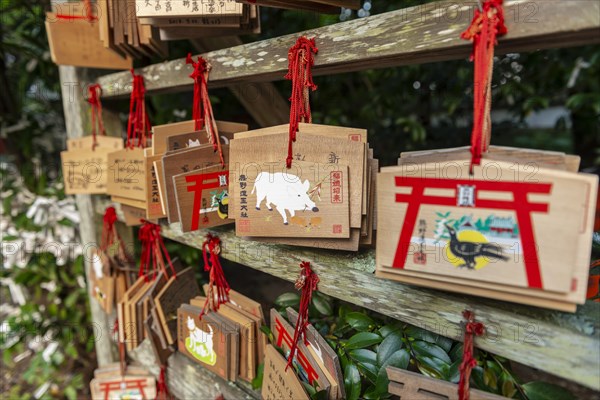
point(110, 217)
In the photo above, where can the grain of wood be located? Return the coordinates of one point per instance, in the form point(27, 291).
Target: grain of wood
point(425, 33)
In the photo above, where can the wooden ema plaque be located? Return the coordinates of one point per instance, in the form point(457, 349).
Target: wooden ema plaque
point(279, 383)
point(102, 283)
point(154, 208)
point(192, 8)
point(205, 341)
point(252, 309)
point(126, 174)
point(184, 141)
point(180, 162)
point(498, 234)
point(133, 215)
point(247, 327)
point(317, 144)
point(102, 142)
point(324, 355)
point(181, 135)
point(77, 42)
point(123, 387)
point(312, 372)
point(177, 291)
point(308, 200)
point(85, 169)
point(410, 385)
point(202, 198)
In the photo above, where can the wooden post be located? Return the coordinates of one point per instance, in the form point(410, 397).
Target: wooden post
point(74, 87)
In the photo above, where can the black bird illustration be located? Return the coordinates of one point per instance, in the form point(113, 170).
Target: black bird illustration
point(223, 210)
point(468, 251)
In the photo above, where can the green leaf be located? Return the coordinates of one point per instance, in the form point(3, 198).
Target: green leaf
point(309, 389)
point(371, 394)
point(362, 340)
point(444, 343)
point(364, 356)
point(453, 374)
point(399, 359)
point(508, 389)
point(359, 321)
point(546, 391)
point(425, 349)
point(258, 380)
point(490, 379)
point(457, 352)
point(389, 346)
point(70, 393)
point(322, 304)
point(266, 330)
point(477, 378)
point(290, 299)
point(352, 382)
point(391, 328)
point(421, 334)
point(320, 395)
point(433, 367)
point(368, 370)
point(428, 371)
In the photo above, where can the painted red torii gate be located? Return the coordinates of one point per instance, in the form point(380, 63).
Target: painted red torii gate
point(520, 204)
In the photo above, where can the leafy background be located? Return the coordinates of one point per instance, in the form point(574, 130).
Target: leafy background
point(406, 108)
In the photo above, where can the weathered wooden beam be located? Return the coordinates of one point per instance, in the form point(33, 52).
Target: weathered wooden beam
point(425, 33)
point(262, 100)
point(188, 380)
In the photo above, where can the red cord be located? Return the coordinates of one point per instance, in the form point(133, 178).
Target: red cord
point(217, 281)
point(138, 124)
point(162, 391)
point(109, 232)
point(95, 91)
point(486, 26)
point(308, 282)
point(202, 112)
point(300, 63)
point(153, 251)
point(472, 328)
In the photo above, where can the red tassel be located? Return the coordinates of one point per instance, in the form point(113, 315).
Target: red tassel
point(307, 282)
point(202, 111)
point(486, 26)
point(138, 124)
point(95, 91)
point(162, 391)
point(153, 249)
point(472, 328)
point(218, 288)
point(109, 231)
point(300, 63)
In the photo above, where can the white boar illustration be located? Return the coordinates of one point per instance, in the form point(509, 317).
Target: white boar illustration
point(284, 191)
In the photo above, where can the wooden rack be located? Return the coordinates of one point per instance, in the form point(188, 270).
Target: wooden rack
point(567, 345)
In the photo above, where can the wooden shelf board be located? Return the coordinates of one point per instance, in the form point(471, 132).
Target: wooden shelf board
point(416, 35)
